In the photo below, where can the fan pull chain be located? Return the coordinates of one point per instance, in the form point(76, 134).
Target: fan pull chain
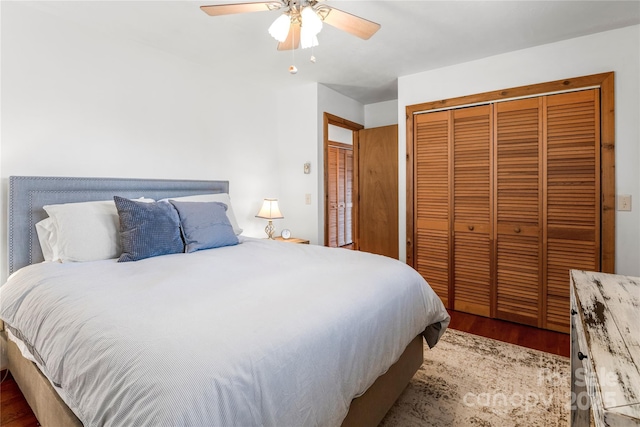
point(293, 69)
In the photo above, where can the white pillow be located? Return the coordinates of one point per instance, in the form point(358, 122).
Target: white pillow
point(47, 237)
point(85, 231)
point(218, 197)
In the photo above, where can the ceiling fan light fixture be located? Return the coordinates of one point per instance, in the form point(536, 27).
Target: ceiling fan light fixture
point(279, 30)
point(307, 40)
point(310, 20)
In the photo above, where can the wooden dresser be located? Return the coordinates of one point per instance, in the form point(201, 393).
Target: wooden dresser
point(605, 349)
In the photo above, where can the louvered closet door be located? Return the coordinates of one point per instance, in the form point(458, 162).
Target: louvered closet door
point(472, 195)
point(342, 171)
point(348, 197)
point(573, 202)
point(431, 190)
point(340, 192)
point(518, 139)
point(332, 193)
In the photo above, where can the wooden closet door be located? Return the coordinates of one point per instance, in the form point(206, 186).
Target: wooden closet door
point(518, 207)
point(348, 197)
point(340, 195)
point(332, 194)
point(573, 201)
point(432, 201)
point(342, 200)
point(472, 196)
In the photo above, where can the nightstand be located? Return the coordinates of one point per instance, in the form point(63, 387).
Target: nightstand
point(292, 240)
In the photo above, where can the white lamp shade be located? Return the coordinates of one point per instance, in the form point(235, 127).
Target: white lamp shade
point(307, 40)
point(311, 26)
point(311, 21)
point(269, 210)
point(279, 30)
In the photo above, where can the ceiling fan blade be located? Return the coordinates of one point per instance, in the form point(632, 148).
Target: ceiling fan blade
point(352, 24)
point(293, 38)
point(228, 9)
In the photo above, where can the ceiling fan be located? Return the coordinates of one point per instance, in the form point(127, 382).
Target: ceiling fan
point(301, 20)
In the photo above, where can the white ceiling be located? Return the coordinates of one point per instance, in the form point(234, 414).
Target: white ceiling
point(415, 36)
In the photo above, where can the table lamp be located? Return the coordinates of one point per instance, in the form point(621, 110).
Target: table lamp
point(269, 211)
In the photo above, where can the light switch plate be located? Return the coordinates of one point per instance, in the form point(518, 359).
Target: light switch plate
point(624, 202)
point(307, 199)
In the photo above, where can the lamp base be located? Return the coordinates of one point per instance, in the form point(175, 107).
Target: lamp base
point(269, 229)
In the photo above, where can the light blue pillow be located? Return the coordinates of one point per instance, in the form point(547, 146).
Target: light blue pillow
point(148, 229)
point(205, 225)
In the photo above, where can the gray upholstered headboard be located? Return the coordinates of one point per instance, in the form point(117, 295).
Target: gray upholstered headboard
point(28, 194)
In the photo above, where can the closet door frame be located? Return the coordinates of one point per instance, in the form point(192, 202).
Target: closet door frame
point(330, 119)
point(603, 81)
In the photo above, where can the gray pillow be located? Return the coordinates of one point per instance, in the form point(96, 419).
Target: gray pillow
point(148, 229)
point(205, 225)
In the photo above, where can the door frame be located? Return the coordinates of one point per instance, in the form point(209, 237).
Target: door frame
point(330, 119)
point(603, 81)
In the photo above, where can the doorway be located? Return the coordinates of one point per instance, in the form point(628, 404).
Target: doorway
point(340, 182)
point(361, 186)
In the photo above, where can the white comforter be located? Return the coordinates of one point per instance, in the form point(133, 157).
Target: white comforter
point(259, 334)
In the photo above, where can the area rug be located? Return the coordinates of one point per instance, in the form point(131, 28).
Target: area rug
point(467, 380)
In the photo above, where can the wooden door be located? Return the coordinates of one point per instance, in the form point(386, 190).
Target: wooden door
point(339, 195)
point(348, 197)
point(332, 196)
point(378, 190)
point(431, 200)
point(572, 196)
point(472, 210)
point(518, 207)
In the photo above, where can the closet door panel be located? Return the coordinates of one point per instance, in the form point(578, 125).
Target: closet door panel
point(432, 237)
point(341, 197)
point(573, 202)
point(472, 196)
point(518, 278)
point(518, 208)
point(432, 260)
point(348, 217)
point(332, 194)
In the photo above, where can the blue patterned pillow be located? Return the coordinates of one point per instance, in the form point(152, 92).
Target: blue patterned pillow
point(205, 225)
point(148, 229)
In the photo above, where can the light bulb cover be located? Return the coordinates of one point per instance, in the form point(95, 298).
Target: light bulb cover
point(310, 20)
point(279, 30)
point(307, 40)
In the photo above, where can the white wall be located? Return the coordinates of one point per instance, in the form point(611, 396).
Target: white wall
point(300, 139)
point(617, 51)
point(381, 114)
point(297, 145)
point(78, 103)
point(340, 134)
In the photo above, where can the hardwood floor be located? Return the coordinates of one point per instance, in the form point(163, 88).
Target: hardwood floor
point(15, 412)
point(514, 333)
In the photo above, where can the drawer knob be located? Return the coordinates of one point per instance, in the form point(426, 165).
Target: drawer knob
point(573, 312)
point(471, 227)
point(517, 229)
point(581, 355)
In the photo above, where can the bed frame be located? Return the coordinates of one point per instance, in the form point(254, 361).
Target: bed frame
point(27, 196)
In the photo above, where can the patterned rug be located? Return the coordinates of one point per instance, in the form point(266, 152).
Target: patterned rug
point(467, 380)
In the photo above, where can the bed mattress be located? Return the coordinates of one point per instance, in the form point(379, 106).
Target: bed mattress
point(262, 333)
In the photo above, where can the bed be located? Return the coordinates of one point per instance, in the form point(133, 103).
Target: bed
point(260, 333)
